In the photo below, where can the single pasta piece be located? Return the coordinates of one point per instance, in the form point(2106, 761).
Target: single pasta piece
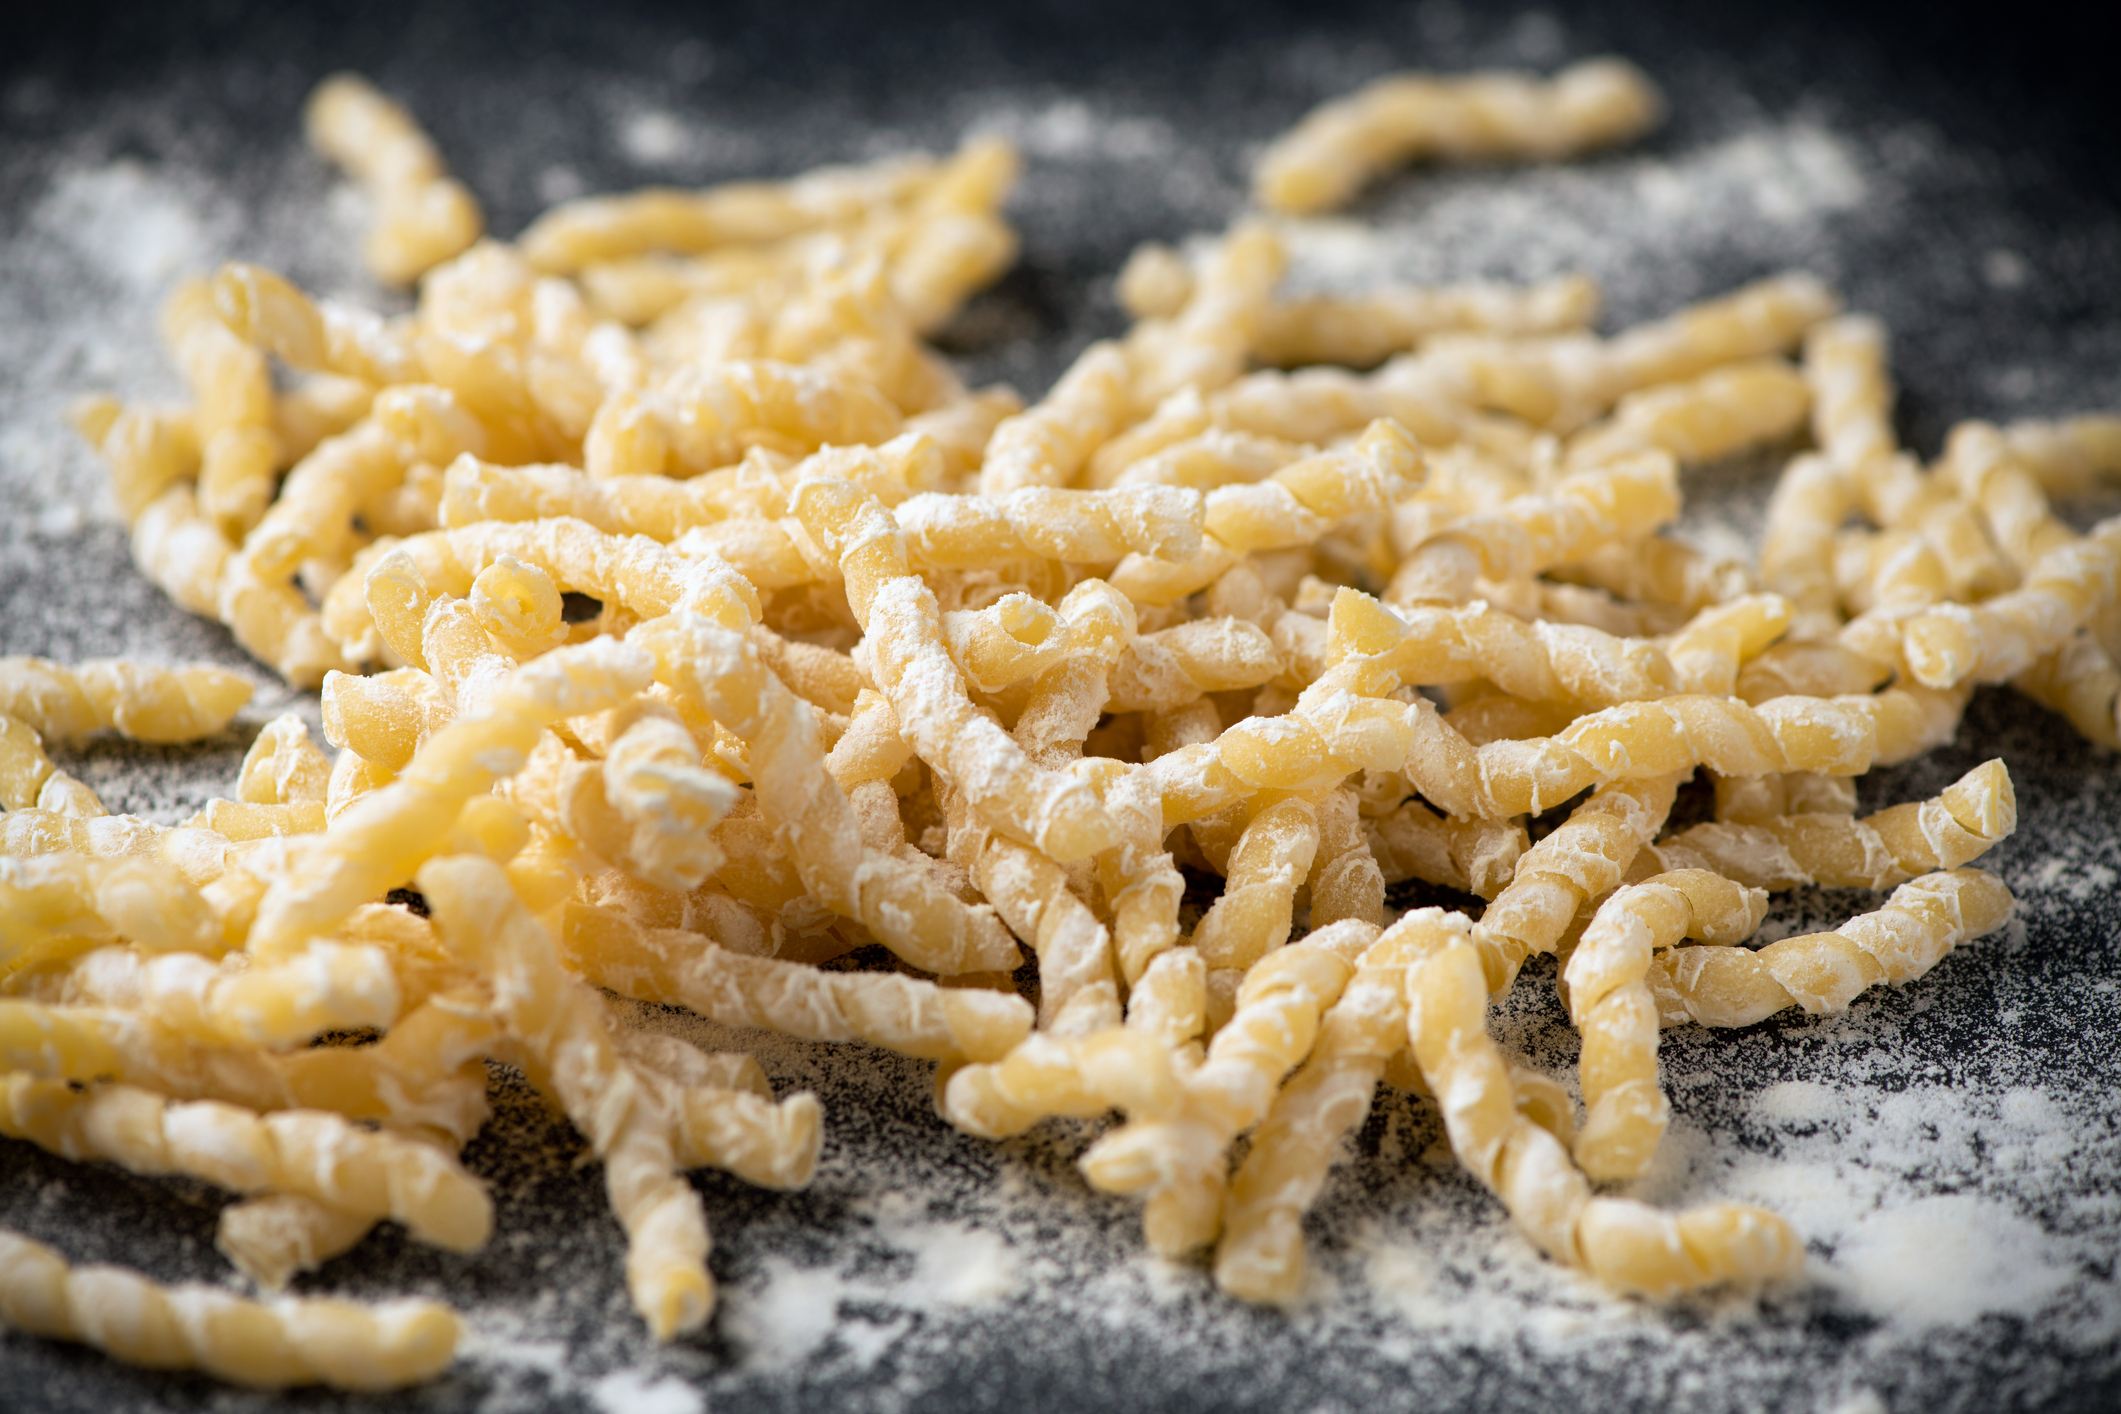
point(1359, 331)
point(2069, 456)
point(315, 336)
point(1205, 344)
point(1657, 569)
point(1046, 444)
point(232, 422)
point(370, 1174)
point(1611, 1005)
point(2079, 680)
point(1766, 317)
point(1272, 858)
point(597, 229)
point(145, 449)
point(888, 1009)
point(561, 1021)
point(1343, 145)
point(66, 894)
point(331, 986)
point(283, 766)
point(1725, 411)
point(138, 700)
point(28, 781)
point(266, 1345)
point(423, 216)
point(1047, 1075)
point(1823, 972)
point(1623, 1243)
point(181, 551)
point(273, 1236)
point(1076, 527)
point(1346, 879)
point(1879, 851)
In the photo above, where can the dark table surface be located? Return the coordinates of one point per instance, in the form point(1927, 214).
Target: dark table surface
point(1950, 1149)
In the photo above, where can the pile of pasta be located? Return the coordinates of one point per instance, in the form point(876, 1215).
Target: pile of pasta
point(685, 627)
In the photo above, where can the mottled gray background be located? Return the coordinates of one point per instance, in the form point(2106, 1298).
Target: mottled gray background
point(1946, 173)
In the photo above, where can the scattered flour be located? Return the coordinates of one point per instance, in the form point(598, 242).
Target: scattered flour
point(629, 1392)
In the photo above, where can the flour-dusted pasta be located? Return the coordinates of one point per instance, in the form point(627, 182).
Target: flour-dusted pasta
point(684, 625)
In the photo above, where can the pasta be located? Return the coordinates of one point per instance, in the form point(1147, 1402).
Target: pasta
point(684, 624)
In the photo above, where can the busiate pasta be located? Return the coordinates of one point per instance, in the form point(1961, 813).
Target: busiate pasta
point(874, 658)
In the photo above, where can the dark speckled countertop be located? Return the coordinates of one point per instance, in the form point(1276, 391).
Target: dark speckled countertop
point(1950, 1149)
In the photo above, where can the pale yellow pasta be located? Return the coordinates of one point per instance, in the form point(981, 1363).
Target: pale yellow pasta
point(593, 229)
point(1163, 671)
point(1767, 317)
point(181, 551)
point(915, 672)
point(283, 766)
point(1047, 443)
point(145, 449)
point(900, 1013)
point(268, 1345)
point(1838, 850)
point(1625, 500)
point(2079, 680)
point(685, 625)
point(1204, 345)
point(1582, 860)
point(232, 420)
point(316, 336)
point(1078, 989)
point(561, 1021)
point(270, 1238)
point(1361, 330)
point(1621, 1242)
point(138, 700)
point(899, 903)
point(1473, 856)
point(1346, 879)
point(1048, 1075)
point(1180, 1161)
point(1658, 569)
point(1064, 701)
point(1261, 1254)
point(423, 217)
point(1292, 507)
point(1724, 411)
point(1272, 858)
point(142, 898)
point(312, 1153)
point(380, 841)
point(2068, 456)
point(1077, 527)
point(1340, 147)
point(1823, 972)
point(1610, 1003)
